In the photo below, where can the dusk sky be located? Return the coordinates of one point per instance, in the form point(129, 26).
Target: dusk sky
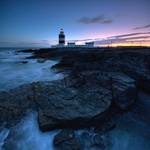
point(36, 23)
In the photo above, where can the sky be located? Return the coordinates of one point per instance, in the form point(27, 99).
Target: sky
point(36, 23)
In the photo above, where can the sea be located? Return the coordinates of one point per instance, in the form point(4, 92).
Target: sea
point(16, 70)
point(130, 133)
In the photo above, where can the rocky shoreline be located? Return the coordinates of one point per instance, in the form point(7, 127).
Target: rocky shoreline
point(100, 86)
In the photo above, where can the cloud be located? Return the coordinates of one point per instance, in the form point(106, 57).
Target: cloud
point(140, 36)
point(134, 37)
point(98, 19)
point(39, 43)
point(123, 38)
point(142, 27)
point(130, 34)
point(80, 40)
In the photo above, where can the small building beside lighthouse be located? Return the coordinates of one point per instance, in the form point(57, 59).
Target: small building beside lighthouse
point(61, 38)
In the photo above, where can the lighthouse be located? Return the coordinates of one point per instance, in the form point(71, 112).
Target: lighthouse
point(61, 38)
point(61, 42)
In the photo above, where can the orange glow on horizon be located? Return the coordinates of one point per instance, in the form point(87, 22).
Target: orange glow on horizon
point(147, 44)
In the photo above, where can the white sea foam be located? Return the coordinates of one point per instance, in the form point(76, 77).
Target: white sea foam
point(3, 135)
point(27, 136)
point(14, 73)
point(129, 135)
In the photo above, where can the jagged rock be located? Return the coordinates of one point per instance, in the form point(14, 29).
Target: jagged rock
point(95, 80)
point(134, 65)
point(99, 142)
point(79, 140)
point(58, 106)
point(70, 107)
point(15, 103)
point(41, 60)
point(124, 90)
point(86, 139)
point(23, 62)
point(66, 140)
point(92, 140)
point(105, 126)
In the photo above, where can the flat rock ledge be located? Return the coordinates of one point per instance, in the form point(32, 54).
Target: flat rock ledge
point(66, 103)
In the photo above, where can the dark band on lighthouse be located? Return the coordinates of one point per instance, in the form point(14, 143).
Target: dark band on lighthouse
point(61, 38)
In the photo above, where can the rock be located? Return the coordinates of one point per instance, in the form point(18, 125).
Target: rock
point(144, 82)
point(147, 61)
point(106, 126)
point(15, 103)
point(140, 75)
point(99, 142)
point(92, 140)
point(86, 139)
point(58, 105)
point(135, 66)
point(61, 105)
point(23, 62)
point(41, 60)
point(10, 115)
point(70, 107)
point(124, 90)
point(66, 140)
point(85, 96)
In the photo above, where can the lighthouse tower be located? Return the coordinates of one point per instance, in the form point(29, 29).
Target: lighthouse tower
point(61, 38)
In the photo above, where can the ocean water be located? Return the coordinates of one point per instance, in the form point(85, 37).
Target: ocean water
point(131, 133)
point(13, 72)
point(27, 136)
point(128, 135)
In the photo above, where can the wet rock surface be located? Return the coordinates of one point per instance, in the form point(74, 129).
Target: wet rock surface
point(80, 140)
point(57, 105)
point(66, 140)
point(99, 87)
point(64, 104)
point(97, 79)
